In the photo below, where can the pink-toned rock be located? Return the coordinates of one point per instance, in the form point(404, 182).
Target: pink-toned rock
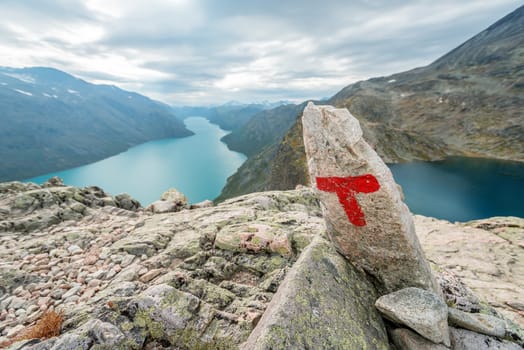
point(94, 283)
point(161, 207)
point(281, 245)
point(150, 275)
point(366, 218)
point(40, 256)
point(88, 293)
point(255, 241)
point(91, 259)
point(43, 301)
point(42, 262)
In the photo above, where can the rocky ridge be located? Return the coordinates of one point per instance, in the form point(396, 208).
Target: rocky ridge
point(127, 277)
point(53, 121)
point(467, 103)
point(113, 267)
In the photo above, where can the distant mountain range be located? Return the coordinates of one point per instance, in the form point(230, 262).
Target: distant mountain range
point(470, 102)
point(51, 120)
point(232, 115)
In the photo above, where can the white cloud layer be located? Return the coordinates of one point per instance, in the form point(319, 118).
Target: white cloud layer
point(206, 51)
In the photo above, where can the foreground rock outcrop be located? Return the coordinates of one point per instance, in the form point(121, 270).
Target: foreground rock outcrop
point(202, 276)
point(487, 255)
point(366, 217)
point(255, 270)
point(322, 288)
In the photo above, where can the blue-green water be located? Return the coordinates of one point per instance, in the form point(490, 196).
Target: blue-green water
point(197, 165)
point(462, 189)
point(457, 189)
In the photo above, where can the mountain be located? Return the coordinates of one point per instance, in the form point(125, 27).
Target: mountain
point(229, 116)
point(469, 102)
point(279, 166)
point(53, 121)
point(259, 139)
point(264, 128)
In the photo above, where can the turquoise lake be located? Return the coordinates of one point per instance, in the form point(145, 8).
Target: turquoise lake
point(462, 189)
point(456, 189)
point(198, 166)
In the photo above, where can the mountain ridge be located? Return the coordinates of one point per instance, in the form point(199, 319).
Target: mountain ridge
point(468, 102)
point(53, 121)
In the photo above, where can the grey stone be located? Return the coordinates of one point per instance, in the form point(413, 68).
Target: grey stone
point(480, 323)
point(380, 237)
point(72, 291)
point(404, 339)
point(421, 310)
point(173, 314)
point(174, 195)
point(36, 344)
point(54, 181)
point(456, 293)
point(462, 339)
point(17, 303)
point(125, 201)
point(128, 274)
point(204, 204)
point(104, 333)
point(72, 341)
point(323, 303)
point(160, 207)
point(74, 249)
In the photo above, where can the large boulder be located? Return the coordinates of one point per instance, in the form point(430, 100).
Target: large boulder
point(174, 195)
point(487, 255)
point(367, 219)
point(323, 303)
point(125, 201)
point(171, 201)
point(418, 309)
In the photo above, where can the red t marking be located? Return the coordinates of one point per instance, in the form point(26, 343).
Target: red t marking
point(345, 188)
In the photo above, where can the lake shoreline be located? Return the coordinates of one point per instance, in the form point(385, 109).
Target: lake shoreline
point(206, 139)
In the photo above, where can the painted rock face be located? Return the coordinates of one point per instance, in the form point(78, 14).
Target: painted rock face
point(363, 209)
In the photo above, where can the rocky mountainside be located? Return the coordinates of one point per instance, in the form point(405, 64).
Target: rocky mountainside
point(131, 278)
point(53, 121)
point(265, 128)
point(467, 103)
point(278, 167)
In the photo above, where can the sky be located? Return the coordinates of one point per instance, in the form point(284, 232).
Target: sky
point(201, 52)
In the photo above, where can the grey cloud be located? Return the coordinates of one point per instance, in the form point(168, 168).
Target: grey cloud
point(278, 44)
point(49, 9)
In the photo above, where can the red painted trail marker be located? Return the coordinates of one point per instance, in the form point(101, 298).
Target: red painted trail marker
point(346, 188)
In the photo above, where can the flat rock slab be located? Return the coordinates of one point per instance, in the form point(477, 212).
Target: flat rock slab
point(367, 220)
point(407, 340)
point(323, 303)
point(487, 255)
point(462, 339)
point(480, 323)
point(418, 309)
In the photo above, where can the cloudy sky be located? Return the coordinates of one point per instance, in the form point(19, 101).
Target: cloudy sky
point(211, 51)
